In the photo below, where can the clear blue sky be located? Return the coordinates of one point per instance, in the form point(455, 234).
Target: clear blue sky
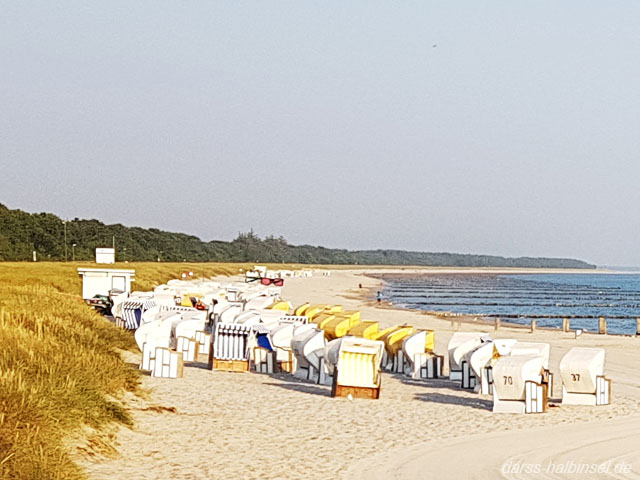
point(503, 127)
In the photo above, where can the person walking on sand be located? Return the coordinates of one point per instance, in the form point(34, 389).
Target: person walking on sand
point(379, 296)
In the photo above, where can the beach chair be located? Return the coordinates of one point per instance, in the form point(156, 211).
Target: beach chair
point(167, 363)
point(204, 341)
point(271, 317)
point(301, 309)
point(308, 348)
point(190, 323)
point(518, 386)
point(250, 317)
point(188, 347)
point(422, 362)
point(393, 356)
point(357, 372)
point(261, 352)
point(150, 336)
point(230, 347)
point(280, 305)
point(459, 344)
point(229, 312)
point(583, 380)
point(133, 309)
point(541, 349)
point(367, 330)
point(258, 303)
point(480, 361)
point(339, 325)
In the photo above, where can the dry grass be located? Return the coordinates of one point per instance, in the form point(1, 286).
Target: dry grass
point(59, 364)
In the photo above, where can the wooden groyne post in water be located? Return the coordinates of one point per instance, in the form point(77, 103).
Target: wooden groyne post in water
point(496, 324)
point(533, 325)
point(566, 325)
point(602, 325)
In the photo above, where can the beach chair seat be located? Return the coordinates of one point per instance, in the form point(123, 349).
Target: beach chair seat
point(583, 380)
point(357, 372)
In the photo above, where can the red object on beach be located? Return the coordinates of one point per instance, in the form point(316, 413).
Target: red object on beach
point(277, 282)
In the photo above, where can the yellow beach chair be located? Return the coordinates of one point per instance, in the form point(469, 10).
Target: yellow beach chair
point(339, 326)
point(314, 310)
point(333, 308)
point(280, 305)
point(322, 319)
point(357, 372)
point(393, 345)
point(299, 311)
point(367, 330)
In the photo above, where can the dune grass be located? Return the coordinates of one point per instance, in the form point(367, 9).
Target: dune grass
point(60, 368)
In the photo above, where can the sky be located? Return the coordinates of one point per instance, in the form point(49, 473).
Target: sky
point(506, 128)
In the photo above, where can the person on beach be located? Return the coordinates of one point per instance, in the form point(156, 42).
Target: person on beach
point(379, 296)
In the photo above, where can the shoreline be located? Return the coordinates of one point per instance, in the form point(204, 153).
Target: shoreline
point(465, 318)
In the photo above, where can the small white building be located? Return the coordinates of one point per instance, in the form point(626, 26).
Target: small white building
point(105, 255)
point(99, 281)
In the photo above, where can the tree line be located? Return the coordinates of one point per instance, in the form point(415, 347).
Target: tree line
point(22, 233)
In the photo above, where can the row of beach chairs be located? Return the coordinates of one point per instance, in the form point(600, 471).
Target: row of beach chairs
point(252, 328)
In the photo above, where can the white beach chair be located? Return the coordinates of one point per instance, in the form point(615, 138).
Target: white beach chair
point(308, 347)
point(536, 348)
point(517, 385)
point(204, 341)
point(133, 309)
point(230, 347)
point(480, 362)
point(583, 380)
point(422, 362)
point(167, 363)
point(188, 347)
point(459, 344)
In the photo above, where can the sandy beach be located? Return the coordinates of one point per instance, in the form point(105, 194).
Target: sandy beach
point(244, 425)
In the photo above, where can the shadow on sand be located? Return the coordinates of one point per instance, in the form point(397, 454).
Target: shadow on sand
point(471, 402)
point(304, 388)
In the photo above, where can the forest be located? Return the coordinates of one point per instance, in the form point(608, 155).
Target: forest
point(54, 239)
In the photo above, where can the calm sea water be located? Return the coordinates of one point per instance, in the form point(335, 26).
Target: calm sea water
point(519, 298)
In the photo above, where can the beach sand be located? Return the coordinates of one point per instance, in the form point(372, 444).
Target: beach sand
point(246, 425)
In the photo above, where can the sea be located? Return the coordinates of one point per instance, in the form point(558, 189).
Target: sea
point(547, 298)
